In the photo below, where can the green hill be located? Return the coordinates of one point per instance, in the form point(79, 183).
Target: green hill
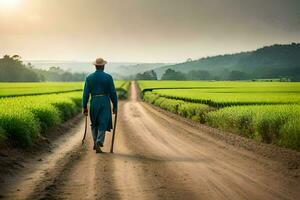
point(268, 62)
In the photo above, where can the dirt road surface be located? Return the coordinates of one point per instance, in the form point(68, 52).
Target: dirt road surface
point(156, 157)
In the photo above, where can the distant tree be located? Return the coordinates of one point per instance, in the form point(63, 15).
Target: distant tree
point(284, 79)
point(57, 70)
point(6, 57)
point(66, 76)
point(148, 75)
point(57, 74)
point(13, 70)
point(295, 78)
point(198, 75)
point(79, 76)
point(171, 74)
point(238, 75)
point(16, 57)
point(153, 75)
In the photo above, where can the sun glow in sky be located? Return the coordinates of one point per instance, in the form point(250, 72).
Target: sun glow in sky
point(9, 3)
point(143, 30)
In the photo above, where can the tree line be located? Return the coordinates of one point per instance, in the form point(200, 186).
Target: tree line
point(12, 69)
point(171, 74)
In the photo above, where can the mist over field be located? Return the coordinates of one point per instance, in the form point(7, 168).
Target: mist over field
point(280, 61)
point(120, 70)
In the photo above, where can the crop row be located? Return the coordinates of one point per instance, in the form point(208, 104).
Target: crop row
point(223, 97)
point(23, 119)
point(241, 86)
point(193, 111)
point(38, 88)
point(278, 124)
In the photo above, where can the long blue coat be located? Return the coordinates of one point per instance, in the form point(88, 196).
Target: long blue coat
point(97, 83)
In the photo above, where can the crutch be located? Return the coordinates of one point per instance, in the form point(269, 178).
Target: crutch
point(114, 132)
point(85, 128)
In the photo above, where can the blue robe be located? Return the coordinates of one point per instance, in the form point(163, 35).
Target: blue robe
point(97, 83)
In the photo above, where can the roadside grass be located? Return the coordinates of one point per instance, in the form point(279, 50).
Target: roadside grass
point(23, 119)
point(192, 111)
point(289, 134)
point(275, 124)
point(21, 128)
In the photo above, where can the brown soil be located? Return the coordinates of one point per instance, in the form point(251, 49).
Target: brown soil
point(13, 159)
point(158, 156)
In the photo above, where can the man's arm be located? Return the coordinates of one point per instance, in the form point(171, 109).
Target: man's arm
point(85, 97)
point(113, 95)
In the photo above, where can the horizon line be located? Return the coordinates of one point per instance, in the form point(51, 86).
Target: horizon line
point(164, 62)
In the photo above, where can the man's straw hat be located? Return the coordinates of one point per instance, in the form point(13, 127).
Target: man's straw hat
point(99, 61)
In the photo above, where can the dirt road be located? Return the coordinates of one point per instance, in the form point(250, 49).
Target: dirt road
point(156, 157)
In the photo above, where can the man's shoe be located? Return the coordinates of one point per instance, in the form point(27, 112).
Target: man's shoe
point(98, 149)
point(100, 144)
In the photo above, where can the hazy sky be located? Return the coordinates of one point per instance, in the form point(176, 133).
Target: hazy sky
point(143, 30)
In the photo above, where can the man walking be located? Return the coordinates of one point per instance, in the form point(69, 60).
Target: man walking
point(100, 86)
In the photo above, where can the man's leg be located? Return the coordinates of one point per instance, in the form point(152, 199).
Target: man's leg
point(100, 138)
point(100, 141)
point(95, 134)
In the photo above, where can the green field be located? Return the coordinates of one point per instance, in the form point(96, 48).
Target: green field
point(23, 119)
point(224, 97)
point(22, 89)
point(254, 86)
point(28, 110)
point(265, 111)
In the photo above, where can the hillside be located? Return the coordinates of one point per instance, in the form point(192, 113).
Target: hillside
point(129, 71)
point(267, 62)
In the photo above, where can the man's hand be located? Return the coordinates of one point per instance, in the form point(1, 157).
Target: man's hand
point(85, 112)
point(115, 111)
